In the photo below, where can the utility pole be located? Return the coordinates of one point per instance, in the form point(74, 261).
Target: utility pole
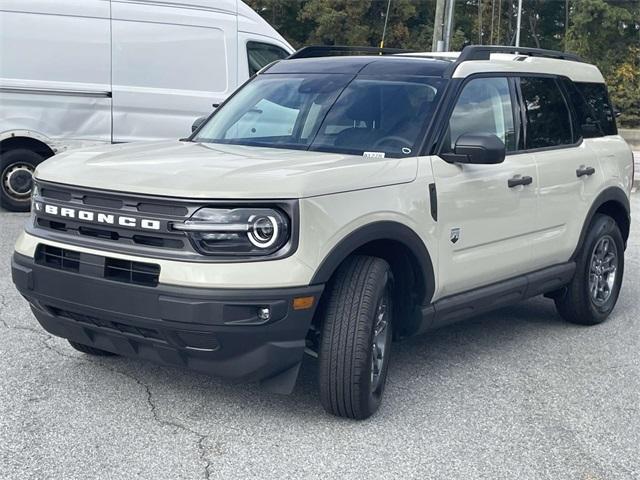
point(448, 29)
point(438, 24)
point(519, 23)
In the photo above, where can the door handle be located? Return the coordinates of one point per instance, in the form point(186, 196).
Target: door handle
point(585, 171)
point(519, 180)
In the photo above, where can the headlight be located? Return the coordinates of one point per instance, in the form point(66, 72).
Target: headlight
point(238, 231)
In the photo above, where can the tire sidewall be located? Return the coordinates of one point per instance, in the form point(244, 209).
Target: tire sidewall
point(602, 226)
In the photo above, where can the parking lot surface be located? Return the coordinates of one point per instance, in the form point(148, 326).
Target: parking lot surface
point(516, 393)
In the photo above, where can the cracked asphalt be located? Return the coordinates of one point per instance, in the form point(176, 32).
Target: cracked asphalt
point(513, 394)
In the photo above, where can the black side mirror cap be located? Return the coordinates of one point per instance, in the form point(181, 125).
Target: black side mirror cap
point(477, 148)
point(198, 123)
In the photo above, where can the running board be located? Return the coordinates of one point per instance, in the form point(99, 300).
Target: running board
point(460, 306)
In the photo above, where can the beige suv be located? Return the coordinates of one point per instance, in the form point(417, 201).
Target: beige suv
point(334, 204)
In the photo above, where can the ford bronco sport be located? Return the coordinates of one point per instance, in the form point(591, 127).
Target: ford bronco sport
point(332, 205)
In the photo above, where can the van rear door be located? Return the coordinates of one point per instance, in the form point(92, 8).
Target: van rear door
point(170, 64)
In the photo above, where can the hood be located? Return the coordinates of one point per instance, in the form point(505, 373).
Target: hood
point(215, 171)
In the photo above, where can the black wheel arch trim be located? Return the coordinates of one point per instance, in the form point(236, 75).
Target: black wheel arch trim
point(381, 230)
point(615, 194)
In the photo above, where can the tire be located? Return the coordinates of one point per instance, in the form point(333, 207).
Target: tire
point(581, 303)
point(90, 350)
point(360, 290)
point(16, 168)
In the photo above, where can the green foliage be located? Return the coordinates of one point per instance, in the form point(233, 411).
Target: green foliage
point(604, 32)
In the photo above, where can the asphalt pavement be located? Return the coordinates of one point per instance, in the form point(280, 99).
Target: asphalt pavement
point(515, 394)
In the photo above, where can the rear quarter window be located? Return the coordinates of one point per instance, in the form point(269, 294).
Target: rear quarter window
point(597, 99)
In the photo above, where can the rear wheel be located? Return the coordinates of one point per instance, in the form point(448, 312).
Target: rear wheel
point(593, 292)
point(16, 178)
point(90, 350)
point(356, 338)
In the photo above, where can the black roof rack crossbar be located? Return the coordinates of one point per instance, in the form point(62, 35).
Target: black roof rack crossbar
point(338, 50)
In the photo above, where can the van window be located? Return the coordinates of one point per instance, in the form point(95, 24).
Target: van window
point(595, 95)
point(484, 106)
point(262, 54)
point(549, 121)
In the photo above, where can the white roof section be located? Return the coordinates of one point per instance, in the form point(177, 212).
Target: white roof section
point(513, 63)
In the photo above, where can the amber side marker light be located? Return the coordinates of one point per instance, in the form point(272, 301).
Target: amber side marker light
point(303, 303)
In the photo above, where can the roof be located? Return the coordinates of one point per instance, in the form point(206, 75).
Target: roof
point(364, 65)
point(473, 59)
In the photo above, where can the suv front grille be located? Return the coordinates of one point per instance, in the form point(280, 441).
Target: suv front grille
point(113, 236)
point(125, 271)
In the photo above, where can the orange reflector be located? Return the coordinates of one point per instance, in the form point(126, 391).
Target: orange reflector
point(303, 303)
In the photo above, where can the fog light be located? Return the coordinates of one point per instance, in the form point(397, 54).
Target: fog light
point(264, 313)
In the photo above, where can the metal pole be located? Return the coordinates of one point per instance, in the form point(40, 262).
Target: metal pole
point(386, 20)
point(448, 32)
point(438, 23)
point(519, 23)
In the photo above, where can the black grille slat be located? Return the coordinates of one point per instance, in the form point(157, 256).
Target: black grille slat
point(126, 271)
point(102, 202)
point(131, 272)
point(170, 210)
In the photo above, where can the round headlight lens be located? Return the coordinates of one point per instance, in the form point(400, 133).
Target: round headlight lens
point(263, 231)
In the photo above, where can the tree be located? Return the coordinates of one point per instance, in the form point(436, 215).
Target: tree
point(604, 32)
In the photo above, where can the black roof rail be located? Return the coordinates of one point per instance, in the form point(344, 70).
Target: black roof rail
point(483, 52)
point(313, 51)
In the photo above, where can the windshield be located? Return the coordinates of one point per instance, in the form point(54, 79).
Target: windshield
point(327, 112)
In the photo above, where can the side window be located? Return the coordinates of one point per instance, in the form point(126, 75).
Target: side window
point(586, 116)
point(262, 54)
point(484, 106)
point(595, 95)
point(548, 117)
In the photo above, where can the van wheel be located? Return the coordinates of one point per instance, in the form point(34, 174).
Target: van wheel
point(356, 338)
point(90, 350)
point(16, 172)
point(593, 292)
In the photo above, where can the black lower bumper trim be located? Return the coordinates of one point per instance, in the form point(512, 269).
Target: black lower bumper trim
point(215, 331)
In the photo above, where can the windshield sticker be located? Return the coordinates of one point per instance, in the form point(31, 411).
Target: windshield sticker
point(373, 154)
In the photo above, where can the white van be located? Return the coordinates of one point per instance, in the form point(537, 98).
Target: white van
point(80, 72)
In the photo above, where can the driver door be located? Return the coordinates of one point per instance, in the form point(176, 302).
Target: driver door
point(485, 225)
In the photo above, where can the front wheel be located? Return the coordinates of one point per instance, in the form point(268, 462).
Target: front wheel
point(356, 338)
point(593, 292)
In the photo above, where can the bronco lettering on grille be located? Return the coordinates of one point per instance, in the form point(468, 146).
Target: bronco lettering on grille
point(97, 217)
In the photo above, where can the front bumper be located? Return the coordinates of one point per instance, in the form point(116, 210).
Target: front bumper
point(214, 331)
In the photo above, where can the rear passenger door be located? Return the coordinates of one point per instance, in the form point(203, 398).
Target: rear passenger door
point(567, 168)
point(484, 225)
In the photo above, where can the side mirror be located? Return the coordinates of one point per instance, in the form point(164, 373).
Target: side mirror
point(477, 148)
point(198, 123)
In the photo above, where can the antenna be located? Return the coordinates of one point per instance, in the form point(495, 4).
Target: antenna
point(386, 20)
